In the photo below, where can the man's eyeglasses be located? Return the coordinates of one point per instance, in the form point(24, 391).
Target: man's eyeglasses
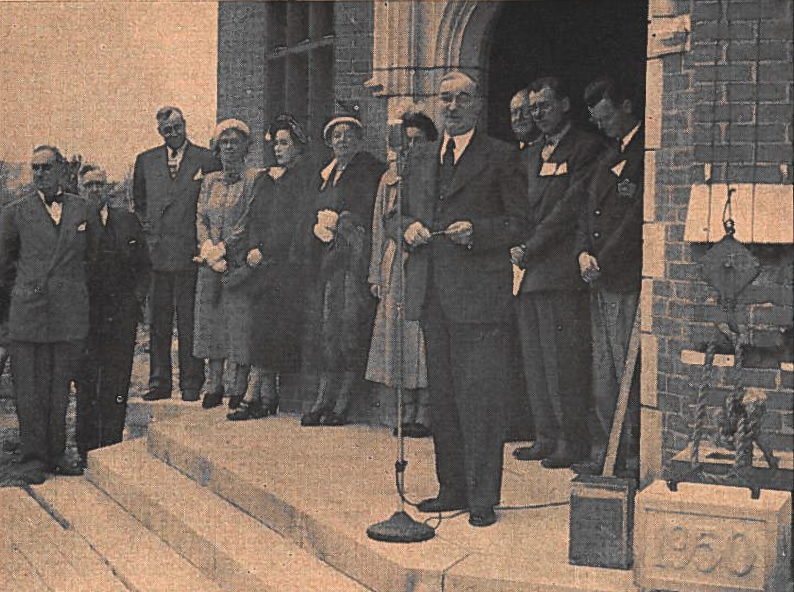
point(176, 128)
point(463, 99)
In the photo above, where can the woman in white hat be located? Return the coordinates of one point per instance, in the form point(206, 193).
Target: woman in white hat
point(222, 318)
point(341, 307)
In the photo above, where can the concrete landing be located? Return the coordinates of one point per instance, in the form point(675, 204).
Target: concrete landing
point(322, 487)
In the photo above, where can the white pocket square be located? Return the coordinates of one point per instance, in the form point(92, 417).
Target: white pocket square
point(618, 168)
point(553, 169)
point(81, 228)
point(199, 175)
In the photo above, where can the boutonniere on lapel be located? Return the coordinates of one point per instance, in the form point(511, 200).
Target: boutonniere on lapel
point(81, 227)
point(618, 168)
point(199, 175)
point(626, 188)
point(554, 169)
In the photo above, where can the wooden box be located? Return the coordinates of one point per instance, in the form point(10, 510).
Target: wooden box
point(601, 518)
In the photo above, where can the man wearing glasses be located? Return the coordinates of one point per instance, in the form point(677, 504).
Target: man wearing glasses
point(465, 206)
point(117, 288)
point(50, 237)
point(166, 183)
point(553, 309)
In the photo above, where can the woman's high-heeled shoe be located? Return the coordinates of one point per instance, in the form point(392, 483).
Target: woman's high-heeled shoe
point(246, 410)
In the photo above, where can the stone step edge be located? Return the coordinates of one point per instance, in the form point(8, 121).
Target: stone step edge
point(122, 471)
point(36, 527)
point(138, 557)
point(300, 527)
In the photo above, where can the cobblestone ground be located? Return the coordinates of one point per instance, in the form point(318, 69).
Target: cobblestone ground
point(9, 429)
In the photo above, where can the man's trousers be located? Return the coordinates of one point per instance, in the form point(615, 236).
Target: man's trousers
point(612, 315)
point(554, 328)
point(173, 291)
point(42, 375)
point(103, 384)
point(467, 375)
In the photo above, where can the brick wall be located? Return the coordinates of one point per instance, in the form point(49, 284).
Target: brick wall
point(242, 69)
point(354, 28)
point(727, 110)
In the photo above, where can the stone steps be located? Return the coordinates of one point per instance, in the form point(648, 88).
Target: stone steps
point(39, 553)
point(140, 560)
point(228, 546)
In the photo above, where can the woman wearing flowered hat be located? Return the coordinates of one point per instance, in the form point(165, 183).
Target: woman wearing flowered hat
point(341, 308)
point(274, 222)
point(222, 317)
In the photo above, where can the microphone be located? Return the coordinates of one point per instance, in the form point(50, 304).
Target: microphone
point(396, 136)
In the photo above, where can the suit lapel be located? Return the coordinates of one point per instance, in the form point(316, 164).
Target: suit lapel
point(470, 164)
point(68, 228)
point(633, 157)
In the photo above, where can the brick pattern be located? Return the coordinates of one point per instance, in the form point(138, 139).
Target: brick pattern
point(242, 69)
point(746, 65)
point(354, 28)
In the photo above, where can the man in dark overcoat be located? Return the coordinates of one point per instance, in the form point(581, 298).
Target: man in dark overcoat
point(51, 237)
point(553, 306)
point(609, 249)
point(166, 184)
point(465, 205)
point(117, 286)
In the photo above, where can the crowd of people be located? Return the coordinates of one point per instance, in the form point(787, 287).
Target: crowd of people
point(435, 276)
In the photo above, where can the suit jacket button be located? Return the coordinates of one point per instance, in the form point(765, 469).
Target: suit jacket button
point(596, 234)
point(597, 212)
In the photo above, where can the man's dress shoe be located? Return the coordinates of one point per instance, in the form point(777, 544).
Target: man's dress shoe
point(156, 395)
point(565, 455)
point(587, 467)
point(442, 503)
point(190, 395)
point(538, 451)
point(482, 517)
point(212, 400)
point(68, 468)
point(312, 418)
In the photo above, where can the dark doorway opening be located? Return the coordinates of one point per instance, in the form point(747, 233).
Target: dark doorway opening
point(576, 40)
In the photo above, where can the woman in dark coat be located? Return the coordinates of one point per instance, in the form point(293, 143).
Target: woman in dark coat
point(275, 278)
point(341, 307)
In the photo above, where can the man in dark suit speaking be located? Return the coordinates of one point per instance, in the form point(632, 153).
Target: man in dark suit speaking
point(465, 206)
point(166, 183)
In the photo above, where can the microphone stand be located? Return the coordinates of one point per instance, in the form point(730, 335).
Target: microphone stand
point(400, 528)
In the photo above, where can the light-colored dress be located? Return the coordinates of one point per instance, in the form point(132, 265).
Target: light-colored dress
point(382, 365)
point(223, 316)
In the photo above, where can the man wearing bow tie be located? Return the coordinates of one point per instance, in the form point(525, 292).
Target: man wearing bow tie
point(552, 306)
point(610, 259)
point(166, 184)
point(50, 236)
point(464, 207)
point(117, 286)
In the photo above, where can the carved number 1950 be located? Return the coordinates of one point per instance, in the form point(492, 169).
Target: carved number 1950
point(707, 551)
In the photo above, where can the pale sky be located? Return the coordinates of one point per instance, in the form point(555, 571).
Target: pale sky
point(89, 76)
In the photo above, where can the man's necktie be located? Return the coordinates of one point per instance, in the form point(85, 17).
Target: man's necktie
point(548, 149)
point(447, 165)
point(173, 167)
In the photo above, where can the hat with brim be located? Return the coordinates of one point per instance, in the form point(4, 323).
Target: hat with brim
point(346, 114)
point(95, 175)
point(230, 124)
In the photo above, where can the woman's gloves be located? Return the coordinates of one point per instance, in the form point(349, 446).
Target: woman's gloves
point(214, 256)
point(325, 227)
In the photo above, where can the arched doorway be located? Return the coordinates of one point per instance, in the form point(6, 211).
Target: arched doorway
point(574, 39)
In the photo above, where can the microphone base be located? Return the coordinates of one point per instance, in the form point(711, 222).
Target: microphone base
point(400, 528)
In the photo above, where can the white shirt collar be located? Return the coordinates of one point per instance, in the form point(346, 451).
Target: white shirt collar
point(55, 209)
point(461, 142)
point(628, 137)
point(180, 152)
